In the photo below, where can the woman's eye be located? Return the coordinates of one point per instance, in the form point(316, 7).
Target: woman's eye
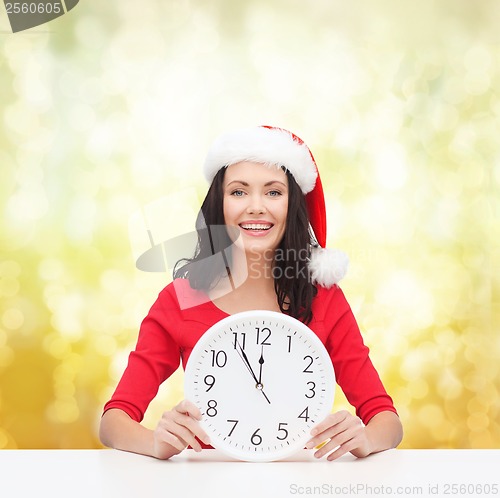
point(274, 193)
point(237, 193)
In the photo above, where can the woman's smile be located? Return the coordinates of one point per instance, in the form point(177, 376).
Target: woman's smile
point(256, 228)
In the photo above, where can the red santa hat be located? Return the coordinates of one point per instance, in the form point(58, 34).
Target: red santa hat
point(278, 147)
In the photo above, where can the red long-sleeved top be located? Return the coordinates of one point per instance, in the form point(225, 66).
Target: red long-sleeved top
point(180, 316)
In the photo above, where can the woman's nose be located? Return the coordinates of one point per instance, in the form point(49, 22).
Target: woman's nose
point(256, 204)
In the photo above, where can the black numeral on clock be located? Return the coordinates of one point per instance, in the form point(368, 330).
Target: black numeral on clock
point(282, 429)
point(256, 439)
point(265, 333)
point(312, 392)
point(289, 337)
point(209, 381)
point(310, 360)
point(304, 414)
point(235, 422)
point(219, 358)
point(212, 410)
point(239, 341)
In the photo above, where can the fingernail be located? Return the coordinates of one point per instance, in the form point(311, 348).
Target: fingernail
point(314, 431)
point(309, 445)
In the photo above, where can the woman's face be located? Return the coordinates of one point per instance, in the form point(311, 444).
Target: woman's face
point(256, 203)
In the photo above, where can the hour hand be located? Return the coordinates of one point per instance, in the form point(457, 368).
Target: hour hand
point(261, 362)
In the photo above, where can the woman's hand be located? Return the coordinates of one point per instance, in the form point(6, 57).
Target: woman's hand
point(178, 429)
point(346, 432)
point(342, 430)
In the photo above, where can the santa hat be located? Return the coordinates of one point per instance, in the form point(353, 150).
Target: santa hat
point(276, 146)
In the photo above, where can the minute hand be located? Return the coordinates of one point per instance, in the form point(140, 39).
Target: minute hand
point(244, 357)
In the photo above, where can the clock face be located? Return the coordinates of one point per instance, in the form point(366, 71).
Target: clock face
point(261, 380)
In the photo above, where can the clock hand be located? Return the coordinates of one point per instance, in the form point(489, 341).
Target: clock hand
point(247, 363)
point(261, 362)
point(244, 357)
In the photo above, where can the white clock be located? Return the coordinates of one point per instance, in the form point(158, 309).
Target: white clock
point(262, 380)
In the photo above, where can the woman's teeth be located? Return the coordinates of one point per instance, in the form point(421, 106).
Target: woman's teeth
point(255, 226)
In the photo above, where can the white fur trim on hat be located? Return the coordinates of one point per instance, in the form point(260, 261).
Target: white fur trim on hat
point(270, 146)
point(327, 266)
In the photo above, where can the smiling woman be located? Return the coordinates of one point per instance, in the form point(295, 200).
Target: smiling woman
point(266, 194)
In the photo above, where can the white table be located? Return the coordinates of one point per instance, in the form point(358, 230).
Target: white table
point(111, 473)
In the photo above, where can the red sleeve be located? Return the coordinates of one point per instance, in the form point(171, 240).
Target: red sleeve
point(155, 358)
point(354, 370)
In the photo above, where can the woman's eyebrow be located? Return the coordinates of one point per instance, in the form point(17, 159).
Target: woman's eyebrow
point(245, 184)
point(274, 181)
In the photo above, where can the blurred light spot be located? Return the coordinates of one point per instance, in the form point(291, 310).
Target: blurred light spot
point(403, 293)
point(9, 286)
point(67, 317)
point(496, 171)
point(106, 345)
point(28, 204)
point(64, 389)
point(21, 118)
point(63, 411)
point(476, 405)
point(3, 338)
point(13, 319)
point(119, 362)
point(478, 62)
point(7, 356)
point(6, 440)
point(449, 386)
point(481, 439)
point(430, 415)
point(82, 118)
point(10, 268)
point(57, 346)
point(411, 366)
point(51, 269)
point(206, 38)
point(403, 397)
point(477, 84)
point(3, 439)
point(390, 166)
point(80, 219)
point(418, 388)
point(445, 117)
point(463, 141)
point(478, 59)
point(454, 91)
point(478, 421)
point(472, 175)
point(68, 369)
point(89, 24)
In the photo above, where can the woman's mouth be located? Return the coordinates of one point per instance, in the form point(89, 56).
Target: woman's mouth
point(256, 227)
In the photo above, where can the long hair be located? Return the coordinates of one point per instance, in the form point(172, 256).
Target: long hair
point(292, 283)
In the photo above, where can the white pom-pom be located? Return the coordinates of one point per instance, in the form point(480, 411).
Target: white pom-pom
point(327, 266)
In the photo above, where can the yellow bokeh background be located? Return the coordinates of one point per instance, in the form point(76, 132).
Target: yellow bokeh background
point(114, 105)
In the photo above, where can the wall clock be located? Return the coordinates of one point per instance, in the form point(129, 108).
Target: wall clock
point(261, 380)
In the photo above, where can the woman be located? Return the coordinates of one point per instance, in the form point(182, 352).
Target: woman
point(266, 194)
